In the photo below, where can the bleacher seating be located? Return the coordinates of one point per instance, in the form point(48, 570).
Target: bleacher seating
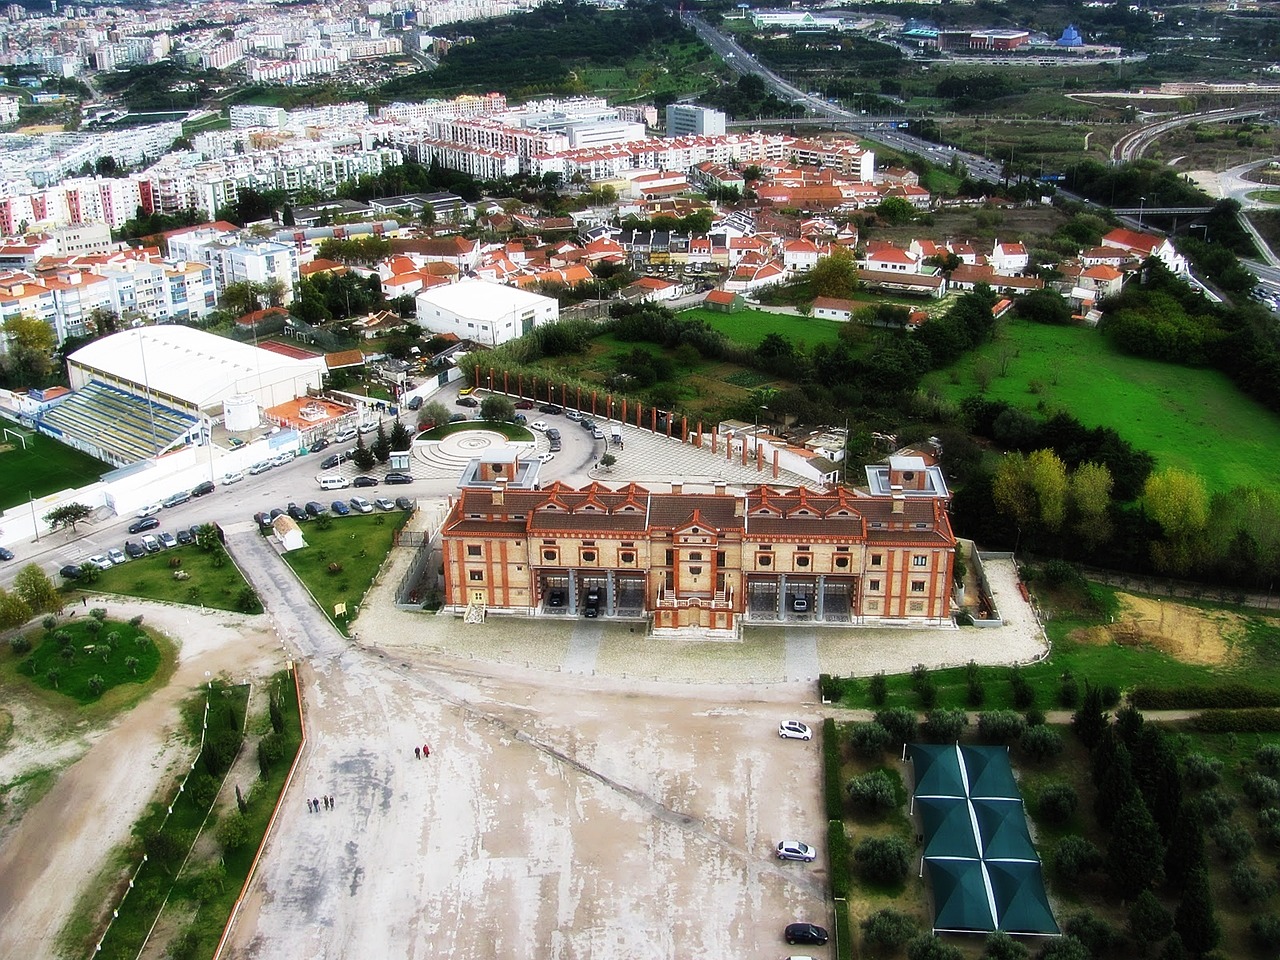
point(115, 425)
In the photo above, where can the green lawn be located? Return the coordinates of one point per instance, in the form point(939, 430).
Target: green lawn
point(133, 658)
point(749, 327)
point(207, 584)
point(45, 467)
point(1194, 419)
point(512, 431)
point(1266, 196)
point(357, 546)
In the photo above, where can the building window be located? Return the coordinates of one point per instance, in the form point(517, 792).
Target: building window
point(697, 555)
point(628, 558)
point(720, 560)
point(909, 476)
point(764, 560)
point(549, 555)
point(842, 549)
point(476, 575)
point(916, 606)
point(588, 543)
point(873, 604)
point(842, 562)
point(877, 559)
point(766, 546)
point(920, 560)
point(628, 543)
point(802, 561)
point(803, 549)
point(696, 571)
point(473, 550)
point(670, 557)
point(917, 586)
point(588, 556)
point(873, 584)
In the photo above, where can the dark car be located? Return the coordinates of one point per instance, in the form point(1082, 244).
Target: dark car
point(414, 403)
point(404, 503)
point(550, 408)
point(70, 572)
point(319, 445)
point(556, 598)
point(340, 507)
point(588, 425)
point(457, 418)
point(395, 477)
point(524, 404)
point(276, 512)
point(329, 462)
point(185, 537)
point(595, 597)
point(297, 512)
point(553, 433)
point(262, 519)
point(363, 481)
point(805, 933)
point(6, 554)
point(134, 549)
point(201, 489)
point(314, 508)
point(146, 523)
point(468, 402)
point(194, 530)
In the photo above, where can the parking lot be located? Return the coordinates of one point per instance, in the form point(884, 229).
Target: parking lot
point(548, 821)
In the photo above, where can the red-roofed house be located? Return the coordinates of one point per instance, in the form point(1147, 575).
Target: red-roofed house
point(1009, 258)
point(800, 255)
point(1143, 245)
point(1106, 281)
point(652, 290)
point(833, 308)
point(890, 259)
point(722, 301)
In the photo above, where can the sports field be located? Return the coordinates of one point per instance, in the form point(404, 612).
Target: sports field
point(1194, 419)
point(46, 466)
point(749, 327)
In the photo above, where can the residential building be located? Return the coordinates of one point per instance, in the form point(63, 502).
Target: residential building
point(688, 120)
point(484, 312)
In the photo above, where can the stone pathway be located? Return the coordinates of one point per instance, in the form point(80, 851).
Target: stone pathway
point(584, 647)
point(802, 653)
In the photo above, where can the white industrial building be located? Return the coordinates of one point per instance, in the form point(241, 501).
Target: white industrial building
point(687, 120)
point(484, 312)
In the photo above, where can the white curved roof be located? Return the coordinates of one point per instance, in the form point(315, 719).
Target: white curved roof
point(191, 365)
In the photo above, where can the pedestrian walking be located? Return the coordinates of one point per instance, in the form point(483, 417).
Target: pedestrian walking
point(417, 753)
point(426, 751)
point(315, 803)
point(84, 601)
point(309, 810)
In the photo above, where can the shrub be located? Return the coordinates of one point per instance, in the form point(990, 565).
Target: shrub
point(233, 831)
point(49, 623)
point(928, 947)
point(1261, 790)
point(869, 740)
point(900, 722)
point(1232, 840)
point(838, 856)
point(888, 929)
point(1064, 948)
point(882, 860)
point(96, 683)
point(1211, 807)
point(833, 689)
point(919, 677)
point(1000, 946)
point(202, 788)
point(872, 792)
point(99, 614)
point(1000, 726)
point(1267, 757)
point(1221, 696)
point(1110, 695)
point(1068, 691)
point(1024, 694)
point(878, 689)
point(1269, 823)
point(1199, 771)
point(247, 600)
point(928, 693)
point(1034, 717)
point(944, 726)
point(1264, 931)
point(1074, 858)
point(976, 694)
point(1259, 720)
point(1149, 921)
point(19, 644)
point(1039, 744)
point(1248, 886)
point(136, 622)
point(219, 750)
point(831, 770)
point(1097, 935)
point(1057, 803)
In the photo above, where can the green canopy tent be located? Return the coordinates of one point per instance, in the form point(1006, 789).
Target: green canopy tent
point(936, 770)
point(1002, 830)
point(1021, 902)
point(948, 827)
point(988, 773)
point(962, 901)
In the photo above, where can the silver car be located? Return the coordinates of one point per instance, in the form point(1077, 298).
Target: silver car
point(795, 850)
point(794, 730)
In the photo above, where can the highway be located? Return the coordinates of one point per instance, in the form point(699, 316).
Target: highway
point(1133, 145)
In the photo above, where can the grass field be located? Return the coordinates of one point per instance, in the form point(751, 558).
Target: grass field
point(512, 431)
point(356, 546)
point(45, 467)
point(749, 327)
point(132, 658)
point(1265, 196)
point(207, 584)
point(1189, 418)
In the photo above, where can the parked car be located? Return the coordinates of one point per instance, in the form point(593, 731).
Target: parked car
point(556, 598)
point(331, 461)
point(6, 554)
point(382, 503)
point(200, 489)
point(235, 476)
point(551, 408)
point(539, 425)
point(173, 500)
point(146, 523)
point(340, 507)
point(415, 403)
point(597, 433)
point(588, 425)
point(555, 445)
point(234, 442)
point(100, 561)
point(466, 391)
point(116, 555)
point(260, 467)
point(545, 457)
point(553, 433)
point(573, 415)
point(595, 597)
point(404, 503)
point(799, 604)
point(795, 850)
point(457, 418)
point(794, 730)
point(70, 572)
point(367, 427)
point(319, 445)
point(521, 419)
point(280, 459)
point(524, 404)
point(194, 530)
point(297, 512)
point(262, 519)
point(314, 508)
point(361, 505)
point(364, 481)
point(395, 477)
point(149, 510)
point(468, 402)
point(276, 512)
point(186, 537)
point(342, 436)
point(151, 544)
point(134, 549)
point(805, 933)
point(167, 539)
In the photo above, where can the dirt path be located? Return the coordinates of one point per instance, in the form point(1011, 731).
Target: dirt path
point(66, 837)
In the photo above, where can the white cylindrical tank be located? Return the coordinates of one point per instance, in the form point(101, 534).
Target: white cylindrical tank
point(241, 413)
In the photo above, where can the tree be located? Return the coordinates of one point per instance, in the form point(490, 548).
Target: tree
point(233, 831)
point(1090, 500)
point(14, 610)
point(835, 275)
point(1149, 921)
point(433, 413)
point(928, 947)
point(869, 740)
point(35, 587)
point(207, 538)
point(1040, 743)
point(895, 211)
point(400, 439)
point(1096, 934)
point(497, 407)
point(1065, 948)
point(68, 515)
point(1043, 306)
point(1177, 501)
point(381, 446)
point(1001, 946)
point(872, 792)
point(1090, 721)
point(1195, 921)
point(1135, 856)
point(1185, 854)
point(362, 456)
point(1057, 801)
point(28, 352)
point(131, 664)
point(888, 929)
point(882, 859)
point(608, 461)
point(1074, 858)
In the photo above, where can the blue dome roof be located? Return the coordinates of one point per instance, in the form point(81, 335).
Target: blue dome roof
point(1070, 37)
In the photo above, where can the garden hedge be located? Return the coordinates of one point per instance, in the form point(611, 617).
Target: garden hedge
point(834, 790)
point(1237, 721)
point(1223, 696)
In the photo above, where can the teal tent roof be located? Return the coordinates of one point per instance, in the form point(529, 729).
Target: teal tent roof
point(1002, 830)
point(961, 899)
point(937, 770)
point(989, 773)
point(1021, 903)
point(948, 827)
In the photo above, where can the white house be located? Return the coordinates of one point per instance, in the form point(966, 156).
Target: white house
point(833, 308)
point(1143, 245)
point(800, 255)
point(484, 312)
point(1008, 258)
point(888, 259)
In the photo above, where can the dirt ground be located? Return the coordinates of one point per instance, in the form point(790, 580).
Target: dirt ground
point(112, 773)
point(549, 821)
point(1187, 633)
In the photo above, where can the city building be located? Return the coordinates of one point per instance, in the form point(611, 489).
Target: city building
point(483, 312)
point(688, 120)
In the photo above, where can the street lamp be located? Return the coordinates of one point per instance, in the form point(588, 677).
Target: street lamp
point(1142, 202)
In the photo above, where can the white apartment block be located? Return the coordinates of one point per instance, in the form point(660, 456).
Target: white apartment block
point(464, 106)
point(687, 120)
point(233, 260)
point(249, 115)
point(8, 109)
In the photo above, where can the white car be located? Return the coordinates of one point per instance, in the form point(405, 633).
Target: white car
point(150, 510)
point(795, 850)
point(280, 459)
point(235, 476)
point(361, 505)
point(545, 457)
point(367, 427)
point(342, 436)
point(116, 555)
point(540, 425)
point(573, 415)
point(101, 562)
point(794, 730)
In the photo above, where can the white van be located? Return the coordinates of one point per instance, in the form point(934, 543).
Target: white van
point(333, 482)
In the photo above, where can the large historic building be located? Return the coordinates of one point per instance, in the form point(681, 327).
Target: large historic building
point(705, 561)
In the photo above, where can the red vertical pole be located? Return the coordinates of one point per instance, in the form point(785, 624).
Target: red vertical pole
point(744, 450)
point(684, 429)
point(639, 413)
point(506, 381)
point(491, 379)
point(775, 464)
point(476, 382)
point(623, 418)
point(593, 403)
point(671, 421)
point(520, 384)
point(653, 419)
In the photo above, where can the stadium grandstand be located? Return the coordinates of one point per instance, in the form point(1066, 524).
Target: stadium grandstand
point(140, 393)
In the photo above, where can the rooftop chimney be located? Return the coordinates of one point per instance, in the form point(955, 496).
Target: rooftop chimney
point(677, 488)
point(499, 491)
point(899, 503)
point(721, 489)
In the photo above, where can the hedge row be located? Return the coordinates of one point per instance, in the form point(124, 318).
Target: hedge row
point(844, 930)
point(1224, 696)
point(834, 688)
point(1258, 720)
point(838, 855)
point(834, 792)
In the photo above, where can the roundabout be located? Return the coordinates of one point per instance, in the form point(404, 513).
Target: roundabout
point(447, 449)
